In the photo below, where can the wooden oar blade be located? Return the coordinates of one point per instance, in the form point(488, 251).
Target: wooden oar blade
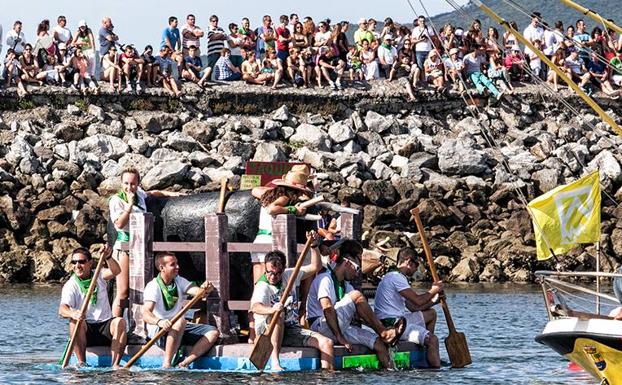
point(458, 350)
point(261, 352)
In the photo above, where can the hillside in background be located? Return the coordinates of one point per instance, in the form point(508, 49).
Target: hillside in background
point(551, 10)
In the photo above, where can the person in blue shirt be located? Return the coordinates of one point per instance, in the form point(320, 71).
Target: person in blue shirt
point(171, 38)
point(582, 40)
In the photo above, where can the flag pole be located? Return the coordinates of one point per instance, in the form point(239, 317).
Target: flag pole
point(598, 277)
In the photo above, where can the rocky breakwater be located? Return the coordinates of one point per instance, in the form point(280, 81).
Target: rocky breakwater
point(59, 164)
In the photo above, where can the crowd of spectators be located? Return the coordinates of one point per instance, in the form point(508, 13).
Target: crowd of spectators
point(306, 53)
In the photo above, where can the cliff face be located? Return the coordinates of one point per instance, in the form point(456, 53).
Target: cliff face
point(61, 155)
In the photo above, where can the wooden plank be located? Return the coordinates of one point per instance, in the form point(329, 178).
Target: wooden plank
point(217, 269)
point(187, 247)
point(141, 268)
point(239, 305)
point(239, 247)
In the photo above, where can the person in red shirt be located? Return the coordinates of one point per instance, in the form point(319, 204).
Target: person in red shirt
point(283, 38)
point(515, 64)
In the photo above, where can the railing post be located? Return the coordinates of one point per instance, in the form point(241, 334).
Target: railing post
point(284, 237)
point(351, 226)
point(217, 270)
point(141, 268)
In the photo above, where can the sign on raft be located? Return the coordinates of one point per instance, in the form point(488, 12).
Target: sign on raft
point(267, 171)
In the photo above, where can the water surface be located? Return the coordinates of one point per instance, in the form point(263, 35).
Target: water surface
point(500, 323)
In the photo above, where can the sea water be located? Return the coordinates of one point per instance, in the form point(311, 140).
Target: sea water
point(499, 321)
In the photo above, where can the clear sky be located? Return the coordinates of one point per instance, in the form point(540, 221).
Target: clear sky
point(141, 22)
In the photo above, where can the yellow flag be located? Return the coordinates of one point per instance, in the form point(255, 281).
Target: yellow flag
point(566, 216)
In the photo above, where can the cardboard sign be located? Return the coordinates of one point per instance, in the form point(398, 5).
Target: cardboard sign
point(248, 182)
point(268, 170)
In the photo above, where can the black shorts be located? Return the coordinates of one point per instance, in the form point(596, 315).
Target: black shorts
point(99, 333)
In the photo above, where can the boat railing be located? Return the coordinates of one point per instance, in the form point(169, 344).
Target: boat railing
point(568, 299)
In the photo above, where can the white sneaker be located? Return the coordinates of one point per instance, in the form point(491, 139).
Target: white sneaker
point(128, 89)
point(138, 87)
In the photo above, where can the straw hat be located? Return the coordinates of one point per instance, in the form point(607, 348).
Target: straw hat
point(453, 51)
point(297, 178)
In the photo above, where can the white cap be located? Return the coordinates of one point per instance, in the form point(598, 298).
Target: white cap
point(388, 36)
point(515, 48)
point(362, 20)
point(82, 23)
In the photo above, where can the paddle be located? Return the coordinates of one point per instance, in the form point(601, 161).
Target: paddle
point(455, 343)
point(263, 345)
point(202, 292)
point(83, 310)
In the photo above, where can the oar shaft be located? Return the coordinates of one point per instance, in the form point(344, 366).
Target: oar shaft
point(428, 256)
point(83, 310)
point(290, 285)
point(162, 332)
point(591, 14)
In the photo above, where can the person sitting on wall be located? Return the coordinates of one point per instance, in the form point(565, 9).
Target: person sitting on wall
point(101, 327)
point(164, 297)
point(333, 303)
point(266, 301)
point(395, 299)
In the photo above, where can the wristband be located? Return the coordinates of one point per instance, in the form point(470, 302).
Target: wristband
point(291, 209)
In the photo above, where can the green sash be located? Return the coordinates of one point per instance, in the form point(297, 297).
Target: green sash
point(84, 284)
point(169, 293)
point(263, 278)
point(264, 232)
point(340, 287)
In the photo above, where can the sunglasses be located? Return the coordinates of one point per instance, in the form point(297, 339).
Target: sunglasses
point(79, 261)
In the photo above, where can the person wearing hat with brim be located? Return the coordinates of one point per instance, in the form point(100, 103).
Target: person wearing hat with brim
point(85, 41)
point(515, 63)
point(454, 67)
point(396, 298)
point(333, 304)
point(387, 55)
point(363, 34)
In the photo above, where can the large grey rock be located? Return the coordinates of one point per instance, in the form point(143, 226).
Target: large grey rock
point(608, 166)
point(340, 132)
point(467, 270)
point(381, 170)
point(180, 141)
point(282, 114)
point(165, 174)
point(157, 122)
point(68, 131)
point(236, 148)
point(115, 128)
point(380, 193)
point(459, 157)
point(97, 112)
point(202, 132)
point(162, 155)
point(19, 149)
point(573, 155)
point(376, 122)
point(311, 136)
point(103, 147)
point(269, 152)
point(546, 179)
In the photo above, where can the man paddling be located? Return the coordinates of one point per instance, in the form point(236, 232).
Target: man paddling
point(163, 298)
point(266, 301)
point(333, 303)
point(100, 328)
point(395, 299)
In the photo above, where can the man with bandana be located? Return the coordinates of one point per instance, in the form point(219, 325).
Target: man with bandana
point(395, 298)
point(333, 304)
point(100, 328)
point(164, 297)
point(266, 301)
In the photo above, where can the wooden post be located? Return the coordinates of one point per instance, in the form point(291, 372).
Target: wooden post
point(141, 268)
point(284, 237)
point(351, 226)
point(217, 270)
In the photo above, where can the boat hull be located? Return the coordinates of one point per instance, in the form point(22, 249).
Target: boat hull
point(594, 344)
point(234, 357)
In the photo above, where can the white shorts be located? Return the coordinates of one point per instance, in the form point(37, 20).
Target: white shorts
point(261, 238)
point(346, 309)
point(415, 328)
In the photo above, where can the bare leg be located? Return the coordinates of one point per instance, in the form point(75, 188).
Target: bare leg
point(326, 347)
point(434, 357)
point(119, 340)
point(173, 341)
point(201, 347)
point(429, 317)
point(367, 314)
point(80, 345)
point(383, 353)
point(120, 299)
point(277, 339)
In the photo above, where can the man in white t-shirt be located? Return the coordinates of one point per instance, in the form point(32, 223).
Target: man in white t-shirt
point(333, 303)
point(15, 38)
point(62, 34)
point(533, 32)
point(422, 39)
point(387, 54)
point(266, 301)
point(100, 327)
point(164, 297)
point(395, 298)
